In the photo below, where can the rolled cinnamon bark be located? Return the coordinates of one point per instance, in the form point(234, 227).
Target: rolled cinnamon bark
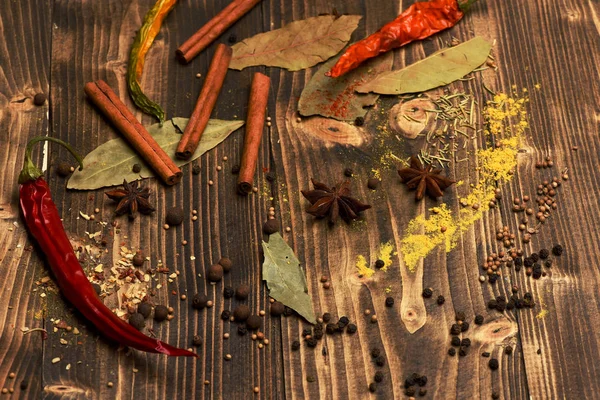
point(205, 104)
point(138, 137)
point(257, 107)
point(213, 29)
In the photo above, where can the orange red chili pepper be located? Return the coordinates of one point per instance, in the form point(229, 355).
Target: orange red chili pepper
point(417, 22)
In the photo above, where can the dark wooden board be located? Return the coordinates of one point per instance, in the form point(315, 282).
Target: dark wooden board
point(59, 46)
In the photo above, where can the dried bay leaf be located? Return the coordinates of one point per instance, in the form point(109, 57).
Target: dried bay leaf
point(111, 162)
point(336, 97)
point(298, 45)
point(439, 69)
point(285, 278)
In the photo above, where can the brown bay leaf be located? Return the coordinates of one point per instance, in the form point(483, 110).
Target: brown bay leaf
point(285, 278)
point(439, 69)
point(296, 46)
point(110, 163)
point(336, 97)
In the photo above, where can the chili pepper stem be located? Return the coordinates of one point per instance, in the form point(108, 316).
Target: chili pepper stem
point(465, 5)
point(30, 172)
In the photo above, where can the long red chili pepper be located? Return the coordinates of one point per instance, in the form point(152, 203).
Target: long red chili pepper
point(43, 221)
point(418, 21)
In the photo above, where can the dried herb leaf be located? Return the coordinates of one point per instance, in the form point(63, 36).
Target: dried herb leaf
point(110, 163)
point(298, 45)
point(439, 69)
point(336, 98)
point(285, 278)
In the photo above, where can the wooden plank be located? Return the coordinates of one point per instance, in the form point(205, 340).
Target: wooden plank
point(24, 69)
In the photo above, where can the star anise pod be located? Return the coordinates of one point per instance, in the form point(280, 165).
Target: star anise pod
point(131, 199)
point(424, 179)
point(333, 202)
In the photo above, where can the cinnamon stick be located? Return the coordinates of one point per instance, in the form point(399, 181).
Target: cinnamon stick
point(213, 29)
point(205, 104)
point(257, 107)
point(138, 137)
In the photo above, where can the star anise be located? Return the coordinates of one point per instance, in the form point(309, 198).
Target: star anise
point(424, 179)
point(333, 202)
point(131, 199)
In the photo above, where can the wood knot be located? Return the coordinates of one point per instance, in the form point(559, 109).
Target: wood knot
point(411, 117)
point(414, 316)
point(331, 131)
point(65, 390)
point(495, 332)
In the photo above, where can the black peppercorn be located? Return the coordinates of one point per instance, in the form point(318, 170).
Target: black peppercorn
point(544, 253)
point(510, 304)
point(232, 38)
point(462, 352)
point(518, 261)
point(548, 263)
point(441, 300)
point(410, 381)
point(235, 169)
point(389, 301)
point(254, 322)
point(422, 380)
point(375, 353)
point(197, 341)
point(492, 279)
point(479, 320)
point(306, 332)
point(270, 227)
point(174, 216)
point(351, 329)
point(535, 257)
point(326, 317)
point(348, 172)
point(318, 334)
point(460, 316)
point(331, 328)
point(537, 271)
point(359, 121)
point(242, 330)
point(493, 364)
point(451, 351)
point(228, 292)
point(528, 262)
point(295, 345)
point(270, 176)
point(225, 315)
point(427, 293)
point(241, 313)
point(422, 392)
point(455, 341)
point(277, 308)
point(215, 273)
point(199, 301)
point(288, 311)
point(508, 350)
point(492, 304)
point(160, 313)
point(466, 342)
point(378, 377)
point(145, 309)
point(379, 264)
point(410, 391)
point(24, 385)
point(242, 292)
point(136, 168)
point(372, 387)
point(137, 321)
point(312, 342)
point(380, 361)
point(455, 329)
point(343, 322)
point(196, 169)
point(557, 250)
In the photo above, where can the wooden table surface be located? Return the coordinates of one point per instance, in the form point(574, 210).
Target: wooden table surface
point(56, 46)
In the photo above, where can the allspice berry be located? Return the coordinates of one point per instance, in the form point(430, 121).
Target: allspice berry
point(373, 183)
point(271, 226)
point(277, 308)
point(39, 99)
point(226, 263)
point(145, 309)
point(215, 273)
point(241, 313)
point(254, 322)
point(199, 301)
point(136, 168)
point(160, 313)
point(242, 292)
point(138, 259)
point(63, 169)
point(137, 321)
point(174, 216)
point(197, 340)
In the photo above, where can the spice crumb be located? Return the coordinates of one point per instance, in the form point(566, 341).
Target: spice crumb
point(110, 384)
point(256, 389)
point(12, 375)
point(55, 360)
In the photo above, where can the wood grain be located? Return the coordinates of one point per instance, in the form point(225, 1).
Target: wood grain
point(58, 46)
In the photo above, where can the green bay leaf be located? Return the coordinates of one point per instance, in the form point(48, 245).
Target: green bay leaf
point(285, 278)
point(439, 69)
point(298, 45)
point(110, 163)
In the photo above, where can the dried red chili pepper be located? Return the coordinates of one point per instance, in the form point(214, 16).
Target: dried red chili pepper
point(417, 22)
point(43, 221)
